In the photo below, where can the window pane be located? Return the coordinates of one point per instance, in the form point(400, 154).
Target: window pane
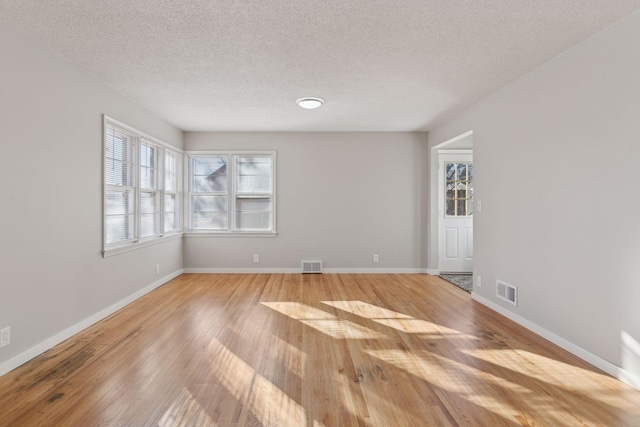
point(148, 166)
point(119, 158)
point(450, 171)
point(149, 214)
point(148, 178)
point(209, 221)
point(458, 189)
point(169, 202)
point(254, 184)
point(170, 221)
point(170, 171)
point(451, 207)
point(254, 166)
point(119, 228)
point(462, 208)
point(254, 174)
point(149, 224)
point(170, 212)
point(209, 184)
point(149, 202)
point(253, 214)
point(209, 174)
point(209, 212)
point(119, 216)
point(119, 202)
point(462, 171)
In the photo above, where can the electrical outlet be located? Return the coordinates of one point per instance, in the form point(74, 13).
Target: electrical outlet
point(479, 281)
point(376, 258)
point(5, 337)
point(157, 268)
point(256, 258)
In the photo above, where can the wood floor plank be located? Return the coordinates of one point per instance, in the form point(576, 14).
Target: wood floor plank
point(311, 351)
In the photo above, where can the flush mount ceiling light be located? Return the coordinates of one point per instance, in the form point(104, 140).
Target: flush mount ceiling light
point(310, 103)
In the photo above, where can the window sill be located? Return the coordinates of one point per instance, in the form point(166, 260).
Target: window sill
point(230, 234)
point(139, 245)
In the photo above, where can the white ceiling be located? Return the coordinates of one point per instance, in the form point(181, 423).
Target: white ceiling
point(239, 65)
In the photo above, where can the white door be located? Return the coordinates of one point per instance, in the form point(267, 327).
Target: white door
point(456, 213)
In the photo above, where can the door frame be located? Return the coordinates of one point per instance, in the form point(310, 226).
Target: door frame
point(447, 155)
point(462, 140)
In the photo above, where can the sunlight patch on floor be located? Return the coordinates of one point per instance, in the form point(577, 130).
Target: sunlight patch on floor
point(393, 319)
point(269, 404)
point(324, 322)
point(559, 374)
point(473, 385)
point(366, 310)
point(185, 410)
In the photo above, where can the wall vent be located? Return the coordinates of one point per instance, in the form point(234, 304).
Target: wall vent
point(507, 292)
point(312, 266)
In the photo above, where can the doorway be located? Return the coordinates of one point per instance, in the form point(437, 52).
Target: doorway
point(452, 205)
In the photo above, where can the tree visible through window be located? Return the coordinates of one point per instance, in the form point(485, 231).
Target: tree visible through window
point(459, 189)
point(232, 192)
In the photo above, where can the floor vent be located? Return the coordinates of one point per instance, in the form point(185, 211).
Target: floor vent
point(312, 266)
point(507, 292)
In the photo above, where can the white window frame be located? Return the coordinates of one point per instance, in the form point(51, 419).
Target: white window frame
point(160, 235)
point(155, 190)
point(231, 193)
point(176, 193)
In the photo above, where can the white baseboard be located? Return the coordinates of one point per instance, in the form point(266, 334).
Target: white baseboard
point(600, 363)
point(298, 270)
point(433, 272)
point(45, 345)
point(629, 378)
point(242, 270)
point(375, 270)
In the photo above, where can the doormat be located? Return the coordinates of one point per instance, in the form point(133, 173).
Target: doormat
point(463, 281)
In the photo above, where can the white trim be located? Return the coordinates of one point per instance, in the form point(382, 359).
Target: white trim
point(454, 139)
point(200, 234)
point(231, 192)
point(629, 378)
point(433, 271)
point(243, 270)
point(299, 270)
point(462, 151)
point(50, 342)
point(600, 363)
point(162, 147)
point(148, 241)
point(375, 270)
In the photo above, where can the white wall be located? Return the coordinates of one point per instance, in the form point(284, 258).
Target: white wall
point(556, 162)
point(341, 198)
point(52, 274)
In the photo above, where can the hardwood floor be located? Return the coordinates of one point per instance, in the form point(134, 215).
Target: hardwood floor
point(311, 350)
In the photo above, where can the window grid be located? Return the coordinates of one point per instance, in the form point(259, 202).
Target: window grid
point(150, 190)
point(459, 189)
point(232, 192)
point(136, 206)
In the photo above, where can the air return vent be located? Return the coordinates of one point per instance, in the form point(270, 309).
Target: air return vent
point(507, 292)
point(312, 266)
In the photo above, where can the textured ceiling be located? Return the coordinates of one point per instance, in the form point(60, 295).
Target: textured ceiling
point(239, 65)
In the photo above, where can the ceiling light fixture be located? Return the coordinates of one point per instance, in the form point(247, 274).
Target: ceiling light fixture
point(310, 103)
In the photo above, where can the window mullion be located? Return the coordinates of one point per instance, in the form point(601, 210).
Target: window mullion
point(136, 190)
point(231, 198)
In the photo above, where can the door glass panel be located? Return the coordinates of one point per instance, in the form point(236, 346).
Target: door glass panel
point(458, 189)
